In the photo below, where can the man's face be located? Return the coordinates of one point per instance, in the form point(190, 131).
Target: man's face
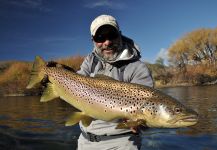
point(107, 40)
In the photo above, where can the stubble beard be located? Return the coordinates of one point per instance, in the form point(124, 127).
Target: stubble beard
point(115, 51)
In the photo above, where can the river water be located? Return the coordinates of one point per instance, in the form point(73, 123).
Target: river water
point(25, 124)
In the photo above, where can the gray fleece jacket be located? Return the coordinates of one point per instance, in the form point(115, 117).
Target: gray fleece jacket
point(127, 67)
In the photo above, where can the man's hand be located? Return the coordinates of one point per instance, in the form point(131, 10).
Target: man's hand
point(132, 125)
point(134, 129)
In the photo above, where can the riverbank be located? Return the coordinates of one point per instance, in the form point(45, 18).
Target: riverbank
point(15, 94)
point(157, 86)
point(14, 76)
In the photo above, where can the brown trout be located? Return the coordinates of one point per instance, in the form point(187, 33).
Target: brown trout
point(108, 99)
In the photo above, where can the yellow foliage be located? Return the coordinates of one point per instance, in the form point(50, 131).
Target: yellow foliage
point(202, 69)
point(16, 71)
point(15, 77)
point(73, 61)
point(197, 46)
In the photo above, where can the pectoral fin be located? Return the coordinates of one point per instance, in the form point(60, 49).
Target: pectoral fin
point(128, 124)
point(76, 117)
point(49, 93)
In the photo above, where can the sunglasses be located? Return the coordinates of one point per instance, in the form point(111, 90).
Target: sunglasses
point(100, 38)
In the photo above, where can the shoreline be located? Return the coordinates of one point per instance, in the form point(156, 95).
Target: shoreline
point(157, 86)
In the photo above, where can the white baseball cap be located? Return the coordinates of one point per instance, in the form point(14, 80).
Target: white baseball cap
point(103, 20)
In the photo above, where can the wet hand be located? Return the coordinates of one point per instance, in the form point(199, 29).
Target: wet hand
point(134, 129)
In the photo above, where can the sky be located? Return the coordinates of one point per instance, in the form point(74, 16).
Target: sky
point(58, 29)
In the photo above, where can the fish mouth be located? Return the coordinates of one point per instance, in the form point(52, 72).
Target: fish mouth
point(192, 119)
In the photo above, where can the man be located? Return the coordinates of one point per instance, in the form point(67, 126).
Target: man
point(116, 56)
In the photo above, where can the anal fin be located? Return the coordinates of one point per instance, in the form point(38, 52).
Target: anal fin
point(78, 116)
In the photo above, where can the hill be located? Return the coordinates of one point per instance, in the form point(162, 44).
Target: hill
point(14, 75)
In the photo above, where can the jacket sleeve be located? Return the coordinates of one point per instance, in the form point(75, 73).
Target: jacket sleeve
point(139, 73)
point(85, 68)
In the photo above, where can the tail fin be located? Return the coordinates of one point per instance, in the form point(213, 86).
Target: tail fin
point(36, 75)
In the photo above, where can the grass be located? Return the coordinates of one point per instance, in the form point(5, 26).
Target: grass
point(14, 75)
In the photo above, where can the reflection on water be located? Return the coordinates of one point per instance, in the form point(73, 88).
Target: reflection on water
point(202, 100)
point(25, 123)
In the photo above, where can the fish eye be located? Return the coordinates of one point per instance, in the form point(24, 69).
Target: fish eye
point(177, 110)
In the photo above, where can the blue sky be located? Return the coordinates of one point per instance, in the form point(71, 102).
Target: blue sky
point(57, 29)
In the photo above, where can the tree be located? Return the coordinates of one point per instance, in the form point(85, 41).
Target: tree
point(159, 61)
point(195, 47)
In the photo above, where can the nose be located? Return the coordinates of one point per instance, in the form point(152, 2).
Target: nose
point(107, 42)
